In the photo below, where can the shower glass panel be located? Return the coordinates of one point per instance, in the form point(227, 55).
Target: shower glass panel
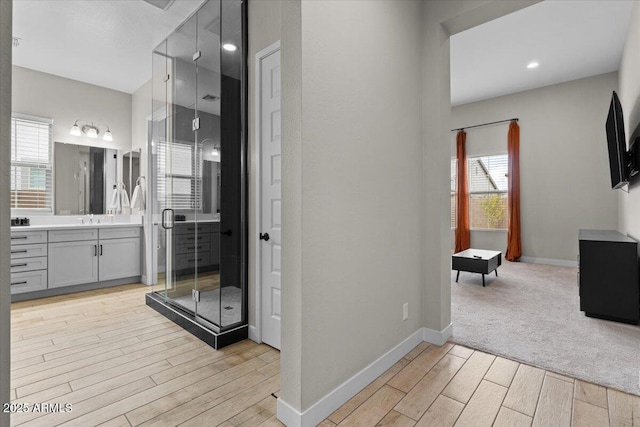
point(158, 131)
point(208, 143)
point(197, 166)
point(179, 173)
point(232, 250)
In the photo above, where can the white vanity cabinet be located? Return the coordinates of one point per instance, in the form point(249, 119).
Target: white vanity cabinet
point(119, 253)
point(89, 255)
point(73, 257)
point(57, 260)
point(28, 261)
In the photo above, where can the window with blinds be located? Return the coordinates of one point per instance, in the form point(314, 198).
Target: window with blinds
point(31, 164)
point(487, 177)
point(179, 180)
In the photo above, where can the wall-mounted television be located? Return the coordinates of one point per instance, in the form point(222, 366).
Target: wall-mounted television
point(618, 156)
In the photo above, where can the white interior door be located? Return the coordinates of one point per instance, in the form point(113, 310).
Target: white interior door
point(270, 198)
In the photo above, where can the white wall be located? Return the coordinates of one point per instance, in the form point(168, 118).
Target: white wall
point(292, 283)
point(629, 93)
point(564, 178)
point(5, 231)
point(365, 181)
point(352, 189)
point(140, 111)
point(64, 100)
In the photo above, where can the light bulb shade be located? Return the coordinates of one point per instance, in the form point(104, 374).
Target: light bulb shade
point(107, 136)
point(75, 130)
point(229, 47)
point(92, 132)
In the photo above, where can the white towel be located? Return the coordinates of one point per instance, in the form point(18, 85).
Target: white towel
point(137, 200)
point(115, 200)
point(124, 196)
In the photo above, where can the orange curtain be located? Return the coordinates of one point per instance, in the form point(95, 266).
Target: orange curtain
point(514, 243)
point(463, 233)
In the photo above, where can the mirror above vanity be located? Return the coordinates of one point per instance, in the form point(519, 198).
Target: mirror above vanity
point(84, 177)
point(131, 169)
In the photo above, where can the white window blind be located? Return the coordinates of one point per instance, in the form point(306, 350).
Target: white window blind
point(179, 180)
point(488, 185)
point(31, 164)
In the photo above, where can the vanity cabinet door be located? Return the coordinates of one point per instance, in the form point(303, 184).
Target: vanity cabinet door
point(119, 258)
point(73, 263)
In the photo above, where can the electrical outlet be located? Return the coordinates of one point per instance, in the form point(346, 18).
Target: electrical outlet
point(405, 311)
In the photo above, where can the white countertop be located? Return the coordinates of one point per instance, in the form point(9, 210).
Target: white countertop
point(20, 228)
point(192, 221)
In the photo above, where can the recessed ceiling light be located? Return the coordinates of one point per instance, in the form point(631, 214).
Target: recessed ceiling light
point(533, 64)
point(230, 47)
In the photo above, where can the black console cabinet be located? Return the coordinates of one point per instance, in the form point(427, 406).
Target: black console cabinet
point(608, 276)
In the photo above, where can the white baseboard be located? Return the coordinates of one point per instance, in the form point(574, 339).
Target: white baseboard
point(288, 415)
point(339, 396)
point(254, 335)
point(291, 417)
point(549, 261)
point(437, 337)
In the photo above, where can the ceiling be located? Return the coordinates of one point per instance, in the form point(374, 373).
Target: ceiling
point(105, 43)
point(569, 39)
point(109, 43)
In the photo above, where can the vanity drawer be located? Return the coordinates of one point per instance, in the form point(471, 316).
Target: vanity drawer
point(28, 251)
point(182, 239)
point(28, 237)
point(73, 235)
point(29, 264)
point(190, 228)
point(28, 282)
point(189, 260)
point(118, 232)
point(189, 248)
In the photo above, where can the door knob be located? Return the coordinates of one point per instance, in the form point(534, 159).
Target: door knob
point(264, 237)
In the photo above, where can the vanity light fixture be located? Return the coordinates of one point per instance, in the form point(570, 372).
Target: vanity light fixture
point(90, 130)
point(75, 129)
point(107, 135)
point(230, 47)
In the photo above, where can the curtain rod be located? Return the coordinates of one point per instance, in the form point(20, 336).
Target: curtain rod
point(486, 124)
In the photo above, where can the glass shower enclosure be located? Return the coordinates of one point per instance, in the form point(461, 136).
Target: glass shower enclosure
point(197, 166)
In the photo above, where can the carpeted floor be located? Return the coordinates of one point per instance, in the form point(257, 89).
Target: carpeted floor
point(531, 313)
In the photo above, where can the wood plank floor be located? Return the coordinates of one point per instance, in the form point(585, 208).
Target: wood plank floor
point(120, 363)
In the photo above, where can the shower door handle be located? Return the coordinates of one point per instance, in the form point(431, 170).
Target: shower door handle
point(167, 224)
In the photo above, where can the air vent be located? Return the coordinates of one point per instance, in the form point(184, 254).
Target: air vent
point(209, 97)
point(160, 4)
